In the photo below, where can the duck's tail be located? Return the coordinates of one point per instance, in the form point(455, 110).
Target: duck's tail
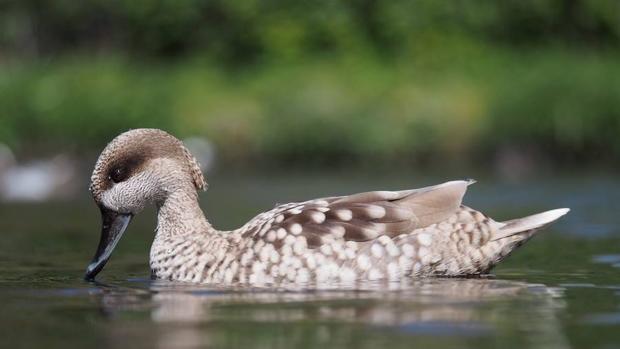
point(528, 225)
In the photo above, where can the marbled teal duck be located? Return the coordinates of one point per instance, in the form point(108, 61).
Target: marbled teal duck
point(379, 235)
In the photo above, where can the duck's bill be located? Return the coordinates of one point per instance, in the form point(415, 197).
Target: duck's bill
point(113, 227)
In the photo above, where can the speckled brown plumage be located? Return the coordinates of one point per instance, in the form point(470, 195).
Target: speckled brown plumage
point(379, 235)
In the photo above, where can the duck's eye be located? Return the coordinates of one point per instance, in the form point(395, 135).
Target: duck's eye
point(119, 174)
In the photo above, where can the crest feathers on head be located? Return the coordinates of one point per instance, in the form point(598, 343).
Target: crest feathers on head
point(194, 168)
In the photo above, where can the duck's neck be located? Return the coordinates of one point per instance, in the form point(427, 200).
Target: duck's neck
point(184, 235)
point(180, 215)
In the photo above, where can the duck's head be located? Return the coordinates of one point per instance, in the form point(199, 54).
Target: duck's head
point(137, 168)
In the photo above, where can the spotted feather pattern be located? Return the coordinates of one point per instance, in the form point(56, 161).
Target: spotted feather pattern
point(368, 236)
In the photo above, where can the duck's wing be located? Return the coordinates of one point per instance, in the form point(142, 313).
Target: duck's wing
point(360, 217)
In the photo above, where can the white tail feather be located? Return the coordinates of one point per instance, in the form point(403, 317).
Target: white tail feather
point(529, 223)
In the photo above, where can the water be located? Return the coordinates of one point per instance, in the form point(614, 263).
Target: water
point(561, 290)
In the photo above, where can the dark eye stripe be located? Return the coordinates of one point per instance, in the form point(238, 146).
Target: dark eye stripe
point(119, 174)
point(124, 167)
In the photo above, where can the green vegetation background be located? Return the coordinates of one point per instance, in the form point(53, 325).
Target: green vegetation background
point(317, 81)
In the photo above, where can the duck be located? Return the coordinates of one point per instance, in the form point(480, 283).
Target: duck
point(364, 237)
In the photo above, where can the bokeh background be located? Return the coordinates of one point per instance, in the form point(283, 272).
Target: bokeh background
point(508, 88)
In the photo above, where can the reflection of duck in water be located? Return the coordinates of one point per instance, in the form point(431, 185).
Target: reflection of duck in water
point(525, 314)
point(377, 235)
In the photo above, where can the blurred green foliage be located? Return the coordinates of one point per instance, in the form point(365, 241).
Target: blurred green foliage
point(243, 31)
point(319, 82)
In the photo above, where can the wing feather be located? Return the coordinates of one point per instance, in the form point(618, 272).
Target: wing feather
point(367, 216)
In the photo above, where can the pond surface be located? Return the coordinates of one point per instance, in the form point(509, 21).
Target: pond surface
point(561, 290)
